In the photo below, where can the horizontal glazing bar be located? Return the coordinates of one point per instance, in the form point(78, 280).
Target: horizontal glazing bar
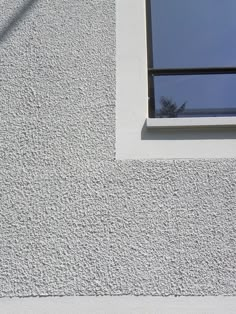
point(192, 71)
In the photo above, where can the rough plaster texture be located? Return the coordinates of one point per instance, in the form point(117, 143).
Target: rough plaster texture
point(74, 221)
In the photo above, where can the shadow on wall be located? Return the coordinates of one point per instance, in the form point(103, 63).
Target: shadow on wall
point(187, 134)
point(16, 18)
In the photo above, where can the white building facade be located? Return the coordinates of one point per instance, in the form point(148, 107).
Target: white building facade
point(75, 219)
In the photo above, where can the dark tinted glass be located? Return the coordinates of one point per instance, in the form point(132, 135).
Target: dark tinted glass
point(193, 33)
point(203, 95)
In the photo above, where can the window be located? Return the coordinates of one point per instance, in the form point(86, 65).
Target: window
point(192, 61)
point(137, 135)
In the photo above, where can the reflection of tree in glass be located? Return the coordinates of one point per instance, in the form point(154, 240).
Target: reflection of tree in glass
point(169, 109)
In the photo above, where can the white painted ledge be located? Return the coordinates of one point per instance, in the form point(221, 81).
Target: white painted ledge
point(119, 305)
point(191, 122)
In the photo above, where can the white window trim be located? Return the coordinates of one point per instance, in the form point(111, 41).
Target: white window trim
point(137, 136)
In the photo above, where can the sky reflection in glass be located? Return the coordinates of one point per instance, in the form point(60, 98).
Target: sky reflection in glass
point(190, 34)
point(204, 94)
point(194, 33)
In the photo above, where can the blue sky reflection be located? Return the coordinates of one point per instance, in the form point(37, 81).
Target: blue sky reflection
point(195, 33)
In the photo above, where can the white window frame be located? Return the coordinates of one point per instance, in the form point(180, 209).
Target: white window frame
point(139, 137)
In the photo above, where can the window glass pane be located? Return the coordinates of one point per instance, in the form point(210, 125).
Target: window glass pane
point(193, 33)
point(203, 95)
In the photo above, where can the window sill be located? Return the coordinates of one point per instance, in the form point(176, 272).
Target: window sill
point(191, 122)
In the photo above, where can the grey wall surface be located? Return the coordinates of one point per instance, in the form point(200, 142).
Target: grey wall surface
point(75, 221)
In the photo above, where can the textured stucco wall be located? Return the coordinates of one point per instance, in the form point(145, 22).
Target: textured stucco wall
point(73, 219)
